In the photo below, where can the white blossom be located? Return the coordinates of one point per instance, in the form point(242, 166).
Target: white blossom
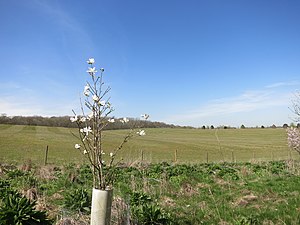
point(92, 71)
point(74, 119)
point(145, 116)
point(91, 61)
point(96, 98)
point(124, 120)
point(111, 154)
point(85, 152)
point(141, 133)
point(86, 87)
point(86, 130)
point(86, 91)
point(82, 119)
point(294, 138)
point(77, 146)
point(112, 120)
point(90, 116)
point(102, 103)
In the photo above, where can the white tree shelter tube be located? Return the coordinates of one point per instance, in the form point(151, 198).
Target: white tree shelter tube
point(101, 207)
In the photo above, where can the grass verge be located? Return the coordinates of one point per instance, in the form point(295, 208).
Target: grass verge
point(213, 193)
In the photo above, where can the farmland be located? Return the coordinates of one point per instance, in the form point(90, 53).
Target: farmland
point(19, 143)
point(221, 176)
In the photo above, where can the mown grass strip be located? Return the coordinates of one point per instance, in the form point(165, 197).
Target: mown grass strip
point(191, 145)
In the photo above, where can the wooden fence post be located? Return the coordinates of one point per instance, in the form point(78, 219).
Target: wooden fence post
point(206, 157)
point(46, 155)
point(175, 156)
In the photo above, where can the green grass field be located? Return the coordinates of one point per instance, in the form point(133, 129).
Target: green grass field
point(20, 143)
point(213, 193)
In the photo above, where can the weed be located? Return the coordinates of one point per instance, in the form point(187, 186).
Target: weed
point(145, 211)
point(248, 220)
point(16, 209)
point(78, 199)
point(214, 193)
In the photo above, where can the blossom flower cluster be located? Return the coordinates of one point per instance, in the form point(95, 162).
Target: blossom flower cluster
point(82, 119)
point(92, 123)
point(141, 133)
point(293, 138)
point(86, 130)
point(145, 116)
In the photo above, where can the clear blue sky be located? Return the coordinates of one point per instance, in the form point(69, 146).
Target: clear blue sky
point(187, 62)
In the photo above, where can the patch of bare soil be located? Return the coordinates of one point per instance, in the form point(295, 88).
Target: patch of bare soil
point(167, 201)
point(246, 200)
point(188, 190)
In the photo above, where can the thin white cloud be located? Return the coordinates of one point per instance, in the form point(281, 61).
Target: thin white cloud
point(15, 88)
point(30, 106)
point(14, 106)
point(232, 108)
point(283, 84)
point(16, 100)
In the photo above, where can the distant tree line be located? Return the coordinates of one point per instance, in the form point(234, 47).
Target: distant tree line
point(64, 121)
point(244, 127)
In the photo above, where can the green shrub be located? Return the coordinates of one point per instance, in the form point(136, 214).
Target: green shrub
point(224, 170)
point(248, 220)
point(146, 212)
point(14, 173)
point(4, 188)
point(22, 179)
point(177, 181)
point(18, 210)
point(78, 199)
point(277, 167)
point(139, 198)
point(180, 169)
point(85, 175)
point(149, 214)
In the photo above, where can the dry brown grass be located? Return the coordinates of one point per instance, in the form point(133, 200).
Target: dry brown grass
point(72, 221)
point(120, 212)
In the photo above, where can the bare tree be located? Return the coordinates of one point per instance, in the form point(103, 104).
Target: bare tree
point(296, 106)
